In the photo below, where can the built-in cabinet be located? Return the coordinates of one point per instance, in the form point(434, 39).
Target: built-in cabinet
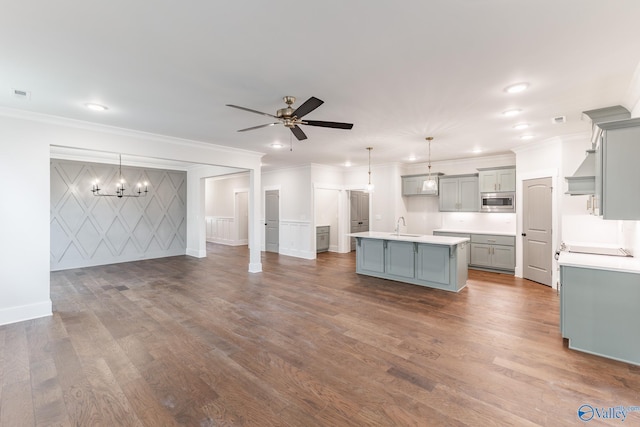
point(496, 180)
point(452, 234)
point(488, 251)
point(433, 265)
point(617, 171)
point(599, 312)
point(459, 193)
point(493, 252)
point(412, 185)
point(322, 238)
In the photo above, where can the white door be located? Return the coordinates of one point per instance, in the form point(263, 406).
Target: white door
point(537, 250)
point(272, 220)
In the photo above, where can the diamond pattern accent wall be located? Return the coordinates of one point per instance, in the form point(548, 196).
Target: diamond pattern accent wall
point(88, 230)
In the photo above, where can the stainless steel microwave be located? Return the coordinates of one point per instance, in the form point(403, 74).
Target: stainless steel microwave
point(498, 202)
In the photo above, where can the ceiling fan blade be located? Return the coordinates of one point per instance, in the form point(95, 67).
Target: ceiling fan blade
point(257, 127)
point(335, 125)
point(298, 133)
point(251, 111)
point(307, 106)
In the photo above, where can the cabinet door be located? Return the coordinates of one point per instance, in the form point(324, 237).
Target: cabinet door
point(503, 257)
point(448, 195)
point(469, 195)
point(488, 182)
point(371, 255)
point(620, 174)
point(481, 254)
point(432, 263)
point(506, 179)
point(410, 185)
point(400, 259)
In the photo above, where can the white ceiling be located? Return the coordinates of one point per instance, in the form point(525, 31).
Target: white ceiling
point(400, 71)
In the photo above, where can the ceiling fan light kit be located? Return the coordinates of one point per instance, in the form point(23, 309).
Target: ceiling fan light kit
point(291, 118)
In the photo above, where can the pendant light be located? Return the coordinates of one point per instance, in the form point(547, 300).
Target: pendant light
point(120, 190)
point(369, 187)
point(429, 184)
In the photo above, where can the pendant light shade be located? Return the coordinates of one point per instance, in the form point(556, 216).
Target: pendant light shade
point(430, 184)
point(369, 187)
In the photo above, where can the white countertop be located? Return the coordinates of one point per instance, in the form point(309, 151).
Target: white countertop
point(433, 240)
point(465, 231)
point(600, 262)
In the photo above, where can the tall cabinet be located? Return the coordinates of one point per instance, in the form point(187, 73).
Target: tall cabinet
point(617, 172)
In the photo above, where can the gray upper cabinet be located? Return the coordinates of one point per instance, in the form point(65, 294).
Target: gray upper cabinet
point(412, 185)
point(495, 180)
point(459, 193)
point(617, 172)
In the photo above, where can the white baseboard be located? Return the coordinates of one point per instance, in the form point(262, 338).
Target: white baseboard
point(25, 312)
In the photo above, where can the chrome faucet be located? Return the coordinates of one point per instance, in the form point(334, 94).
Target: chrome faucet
point(398, 225)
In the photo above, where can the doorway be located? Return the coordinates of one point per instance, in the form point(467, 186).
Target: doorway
point(272, 220)
point(537, 251)
point(359, 213)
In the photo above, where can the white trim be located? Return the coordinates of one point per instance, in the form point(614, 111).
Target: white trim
point(95, 127)
point(25, 312)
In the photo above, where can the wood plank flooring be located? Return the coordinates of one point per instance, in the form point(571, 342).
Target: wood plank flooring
point(202, 342)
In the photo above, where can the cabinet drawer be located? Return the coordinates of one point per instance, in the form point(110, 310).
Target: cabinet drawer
point(322, 229)
point(491, 239)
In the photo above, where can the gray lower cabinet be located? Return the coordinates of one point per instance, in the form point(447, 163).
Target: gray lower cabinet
point(599, 312)
point(322, 238)
point(400, 259)
point(493, 252)
point(452, 234)
point(435, 266)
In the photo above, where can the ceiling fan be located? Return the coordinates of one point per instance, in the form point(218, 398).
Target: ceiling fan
point(292, 118)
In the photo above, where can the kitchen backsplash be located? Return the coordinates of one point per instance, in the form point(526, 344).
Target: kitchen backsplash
point(475, 221)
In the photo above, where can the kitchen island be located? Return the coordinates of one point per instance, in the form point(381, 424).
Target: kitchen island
point(433, 261)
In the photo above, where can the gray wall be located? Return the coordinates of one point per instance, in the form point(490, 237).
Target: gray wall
point(88, 230)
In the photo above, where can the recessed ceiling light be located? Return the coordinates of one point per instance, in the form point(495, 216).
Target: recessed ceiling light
point(525, 137)
point(521, 126)
point(412, 158)
point(511, 113)
point(516, 88)
point(477, 151)
point(95, 107)
point(276, 145)
point(347, 164)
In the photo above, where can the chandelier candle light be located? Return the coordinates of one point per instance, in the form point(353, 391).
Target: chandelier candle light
point(429, 184)
point(369, 187)
point(95, 188)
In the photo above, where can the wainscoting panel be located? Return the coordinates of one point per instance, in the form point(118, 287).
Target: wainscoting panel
point(223, 230)
point(87, 230)
point(295, 239)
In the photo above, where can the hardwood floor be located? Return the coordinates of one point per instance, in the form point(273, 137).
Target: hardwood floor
point(201, 342)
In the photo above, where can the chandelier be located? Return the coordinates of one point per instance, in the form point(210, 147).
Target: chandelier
point(429, 184)
point(120, 190)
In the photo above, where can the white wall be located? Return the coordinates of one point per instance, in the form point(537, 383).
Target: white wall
point(222, 224)
point(24, 216)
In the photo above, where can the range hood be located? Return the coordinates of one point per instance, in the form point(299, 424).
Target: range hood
point(583, 181)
